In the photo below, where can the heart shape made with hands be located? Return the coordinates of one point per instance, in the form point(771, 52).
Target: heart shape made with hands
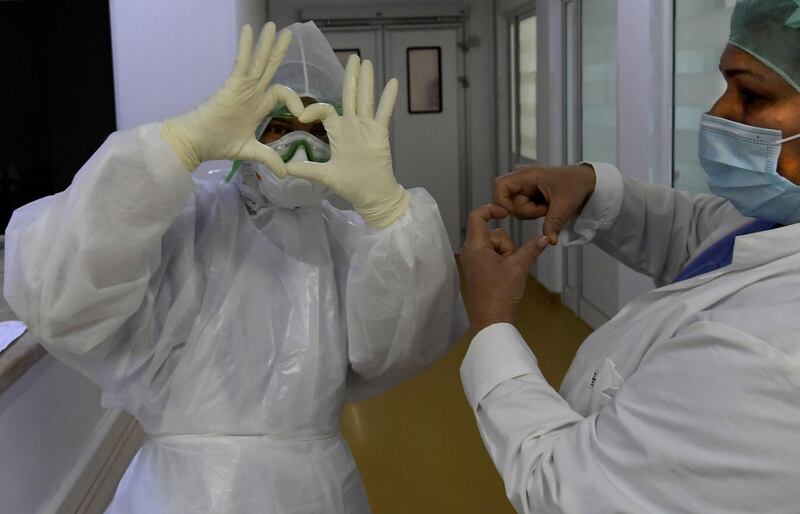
point(360, 168)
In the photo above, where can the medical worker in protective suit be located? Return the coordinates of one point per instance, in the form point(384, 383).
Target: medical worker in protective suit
point(687, 401)
point(233, 320)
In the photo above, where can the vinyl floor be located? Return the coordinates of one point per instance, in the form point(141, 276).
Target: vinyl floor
point(418, 446)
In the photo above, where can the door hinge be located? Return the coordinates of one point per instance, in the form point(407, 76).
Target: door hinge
point(464, 81)
point(467, 44)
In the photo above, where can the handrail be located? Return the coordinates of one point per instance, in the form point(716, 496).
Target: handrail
point(18, 358)
point(23, 353)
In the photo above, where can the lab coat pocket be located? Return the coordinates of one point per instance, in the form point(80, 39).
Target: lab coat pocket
point(606, 380)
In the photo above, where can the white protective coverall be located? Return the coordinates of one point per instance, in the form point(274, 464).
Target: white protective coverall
point(687, 401)
point(233, 337)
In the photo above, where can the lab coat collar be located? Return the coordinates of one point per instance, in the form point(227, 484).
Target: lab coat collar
point(764, 247)
point(751, 251)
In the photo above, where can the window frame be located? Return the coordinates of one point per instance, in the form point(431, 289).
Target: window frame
point(408, 78)
point(337, 51)
point(513, 22)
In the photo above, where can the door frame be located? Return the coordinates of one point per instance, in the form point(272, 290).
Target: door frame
point(512, 19)
point(572, 258)
point(462, 44)
point(379, 77)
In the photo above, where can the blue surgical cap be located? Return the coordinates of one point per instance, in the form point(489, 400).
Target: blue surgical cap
point(769, 30)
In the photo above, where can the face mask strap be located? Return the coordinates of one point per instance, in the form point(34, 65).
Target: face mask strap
point(716, 123)
point(788, 139)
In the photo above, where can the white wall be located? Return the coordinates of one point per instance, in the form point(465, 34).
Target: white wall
point(250, 11)
point(644, 108)
point(480, 95)
point(50, 423)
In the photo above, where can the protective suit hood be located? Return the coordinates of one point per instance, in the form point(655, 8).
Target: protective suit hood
point(312, 70)
point(310, 67)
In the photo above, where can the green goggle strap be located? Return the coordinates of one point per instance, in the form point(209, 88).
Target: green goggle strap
point(236, 164)
point(309, 152)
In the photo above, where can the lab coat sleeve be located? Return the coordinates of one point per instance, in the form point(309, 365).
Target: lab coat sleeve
point(653, 229)
point(402, 300)
point(707, 423)
point(78, 262)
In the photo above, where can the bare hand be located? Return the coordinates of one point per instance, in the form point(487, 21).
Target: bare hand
point(558, 194)
point(496, 271)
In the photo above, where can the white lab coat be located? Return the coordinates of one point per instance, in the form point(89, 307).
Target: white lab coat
point(234, 341)
point(688, 401)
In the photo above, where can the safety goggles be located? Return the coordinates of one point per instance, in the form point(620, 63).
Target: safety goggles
point(313, 151)
point(316, 150)
point(286, 147)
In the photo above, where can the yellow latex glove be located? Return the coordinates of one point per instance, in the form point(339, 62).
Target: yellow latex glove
point(224, 126)
point(360, 168)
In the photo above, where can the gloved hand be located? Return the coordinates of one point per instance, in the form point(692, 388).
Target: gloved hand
point(360, 168)
point(224, 126)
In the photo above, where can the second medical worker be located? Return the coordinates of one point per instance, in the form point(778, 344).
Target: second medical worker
point(688, 400)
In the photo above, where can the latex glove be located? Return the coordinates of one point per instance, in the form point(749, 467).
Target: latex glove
point(360, 168)
point(224, 126)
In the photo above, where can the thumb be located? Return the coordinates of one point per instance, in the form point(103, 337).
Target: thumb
point(325, 113)
point(318, 112)
point(554, 221)
point(530, 251)
point(282, 95)
point(315, 171)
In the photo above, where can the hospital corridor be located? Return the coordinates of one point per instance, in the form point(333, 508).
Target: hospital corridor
point(437, 462)
point(400, 257)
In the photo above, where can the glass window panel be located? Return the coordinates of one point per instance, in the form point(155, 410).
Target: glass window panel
point(343, 54)
point(512, 46)
point(599, 81)
point(527, 87)
point(701, 33)
point(424, 80)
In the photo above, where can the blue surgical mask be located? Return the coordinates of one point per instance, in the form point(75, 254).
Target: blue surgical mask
point(742, 166)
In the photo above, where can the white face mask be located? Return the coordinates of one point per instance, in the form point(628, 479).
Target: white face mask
point(290, 192)
point(742, 166)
